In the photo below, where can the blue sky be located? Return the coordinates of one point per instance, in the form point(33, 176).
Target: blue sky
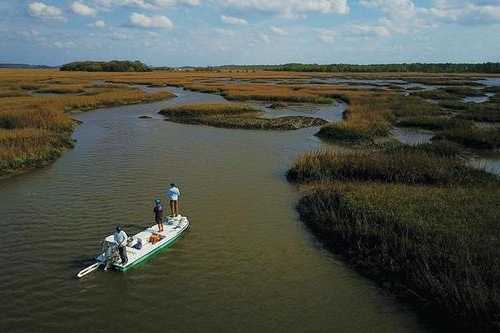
point(216, 32)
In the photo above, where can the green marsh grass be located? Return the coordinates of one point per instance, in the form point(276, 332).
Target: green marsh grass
point(436, 244)
point(412, 106)
point(409, 165)
point(434, 123)
point(473, 137)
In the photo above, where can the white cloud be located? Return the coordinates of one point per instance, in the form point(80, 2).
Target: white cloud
point(279, 31)
point(99, 24)
point(393, 8)
point(147, 4)
point(405, 16)
point(41, 10)
point(82, 9)
point(367, 30)
point(401, 16)
point(468, 12)
point(144, 21)
point(265, 38)
point(233, 20)
point(353, 31)
point(224, 32)
point(64, 45)
point(327, 36)
point(291, 8)
point(119, 36)
point(171, 3)
point(32, 35)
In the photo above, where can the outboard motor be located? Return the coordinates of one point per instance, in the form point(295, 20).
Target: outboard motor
point(111, 254)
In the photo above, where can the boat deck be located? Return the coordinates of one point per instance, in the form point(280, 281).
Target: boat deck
point(172, 230)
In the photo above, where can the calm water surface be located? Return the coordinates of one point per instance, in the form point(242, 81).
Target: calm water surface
point(247, 265)
point(411, 136)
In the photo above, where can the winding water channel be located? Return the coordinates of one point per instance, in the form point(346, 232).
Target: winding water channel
point(247, 265)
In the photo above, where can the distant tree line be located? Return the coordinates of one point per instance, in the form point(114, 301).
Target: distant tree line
point(25, 66)
point(137, 66)
point(103, 66)
point(490, 67)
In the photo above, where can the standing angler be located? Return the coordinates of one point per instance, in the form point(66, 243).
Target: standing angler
point(173, 194)
point(121, 238)
point(158, 210)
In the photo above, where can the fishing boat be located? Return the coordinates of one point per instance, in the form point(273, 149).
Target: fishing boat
point(140, 247)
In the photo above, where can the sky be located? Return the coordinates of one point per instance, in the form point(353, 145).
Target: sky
point(219, 32)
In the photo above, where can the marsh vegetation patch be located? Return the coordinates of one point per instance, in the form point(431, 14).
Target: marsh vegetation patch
point(235, 115)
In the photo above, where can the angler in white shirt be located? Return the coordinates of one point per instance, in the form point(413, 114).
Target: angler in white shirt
point(121, 239)
point(173, 195)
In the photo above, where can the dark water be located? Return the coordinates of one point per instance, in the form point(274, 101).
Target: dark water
point(247, 265)
point(411, 136)
point(478, 99)
point(487, 161)
point(490, 81)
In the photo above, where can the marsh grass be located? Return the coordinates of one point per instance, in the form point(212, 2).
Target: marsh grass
point(464, 91)
point(438, 243)
point(371, 115)
point(30, 86)
point(441, 148)
point(261, 92)
point(485, 112)
point(454, 104)
point(436, 94)
point(489, 115)
point(443, 81)
point(368, 115)
point(62, 89)
point(272, 94)
point(36, 129)
point(28, 148)
point(235, 115)
point(354, 132)
point(203, 109)
point(492, 89)
point(473, 137)
point(80, 102)
point(434, 123)
point(411, 106)
point(408, 165)
point(12, 93)
point(41, 119)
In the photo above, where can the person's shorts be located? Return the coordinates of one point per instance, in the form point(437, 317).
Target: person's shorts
point(158, 219)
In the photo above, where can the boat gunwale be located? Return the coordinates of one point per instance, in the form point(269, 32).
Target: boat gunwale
point(154, 251)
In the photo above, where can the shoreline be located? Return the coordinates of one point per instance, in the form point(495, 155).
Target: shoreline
point(393, 285)
point(427, 244)
point(55, 155)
